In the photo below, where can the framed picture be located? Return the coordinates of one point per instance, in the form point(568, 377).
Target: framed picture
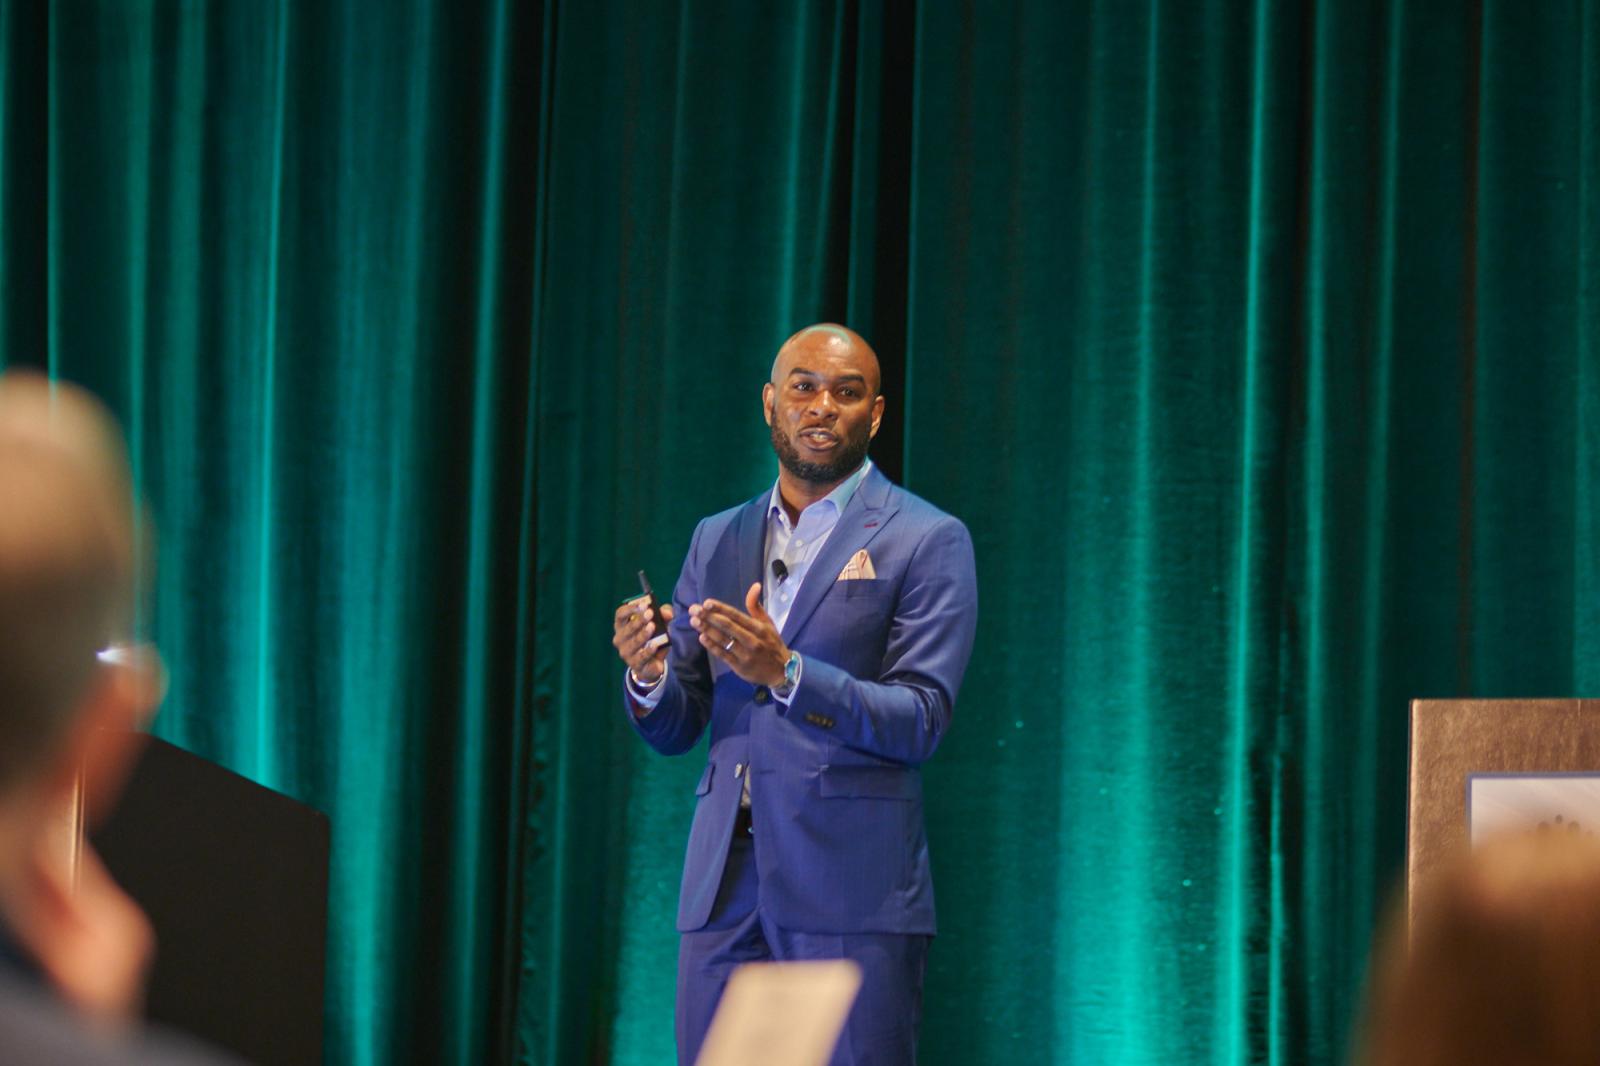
point(1480, 765)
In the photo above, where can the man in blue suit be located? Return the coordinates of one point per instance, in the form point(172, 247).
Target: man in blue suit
point(821, 631)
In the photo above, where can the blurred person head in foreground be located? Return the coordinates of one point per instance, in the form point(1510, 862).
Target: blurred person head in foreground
point(1503, 963)
point(73, 947)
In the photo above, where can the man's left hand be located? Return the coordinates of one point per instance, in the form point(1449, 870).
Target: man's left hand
point(747, 642)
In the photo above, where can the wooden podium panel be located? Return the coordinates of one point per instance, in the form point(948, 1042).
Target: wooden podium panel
point(1452, 739)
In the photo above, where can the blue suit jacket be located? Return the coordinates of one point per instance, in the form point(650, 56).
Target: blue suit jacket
point(836, 792)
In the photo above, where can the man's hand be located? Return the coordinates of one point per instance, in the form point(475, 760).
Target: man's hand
point(748, 643)
point(91, 940)
point(637, 642)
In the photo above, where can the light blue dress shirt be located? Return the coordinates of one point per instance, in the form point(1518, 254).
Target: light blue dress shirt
point(798, 544)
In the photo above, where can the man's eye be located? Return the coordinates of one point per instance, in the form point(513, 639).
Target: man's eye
point(802, 386)
point(849, 394)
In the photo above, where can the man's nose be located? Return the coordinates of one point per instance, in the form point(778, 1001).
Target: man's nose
point(822, 403)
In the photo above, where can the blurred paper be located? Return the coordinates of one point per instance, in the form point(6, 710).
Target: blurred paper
point(781, 1014)
point(1498, 803)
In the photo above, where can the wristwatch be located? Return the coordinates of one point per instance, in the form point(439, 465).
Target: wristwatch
point(791, 677)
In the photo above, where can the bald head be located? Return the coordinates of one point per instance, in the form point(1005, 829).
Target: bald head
point(828, 343)
point(66, 558)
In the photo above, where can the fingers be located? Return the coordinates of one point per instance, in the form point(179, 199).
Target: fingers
point(729, 635)
point(749, 645)
point(716, 617)
point(726, 651)
point(631, 628)
point(634, 633)
point(628, 608)
point(752, 603)
point(646, 660)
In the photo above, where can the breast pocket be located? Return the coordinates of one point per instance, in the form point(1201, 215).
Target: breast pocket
point(865, 588)
point(851, 626)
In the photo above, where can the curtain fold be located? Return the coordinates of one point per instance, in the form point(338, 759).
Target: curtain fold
point(1255, 343)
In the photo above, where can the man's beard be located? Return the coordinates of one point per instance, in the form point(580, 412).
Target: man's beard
point(851, 451)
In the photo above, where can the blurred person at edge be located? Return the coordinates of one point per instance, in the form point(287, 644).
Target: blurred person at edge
point(73, 947)
point(1503, 964)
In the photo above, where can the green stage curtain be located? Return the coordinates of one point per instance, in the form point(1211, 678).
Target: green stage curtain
point(1255, 342)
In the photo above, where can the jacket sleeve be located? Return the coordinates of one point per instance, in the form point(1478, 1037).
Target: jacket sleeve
point(677, 721)
point(902, 715)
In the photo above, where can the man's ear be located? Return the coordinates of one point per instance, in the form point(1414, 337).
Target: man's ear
point(877, 414)
point(767, 392)
point(103, 741)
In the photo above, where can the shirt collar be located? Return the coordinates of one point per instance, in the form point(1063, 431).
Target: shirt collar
point(839, 497)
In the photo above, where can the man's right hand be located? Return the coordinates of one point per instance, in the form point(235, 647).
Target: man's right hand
point(637, 642)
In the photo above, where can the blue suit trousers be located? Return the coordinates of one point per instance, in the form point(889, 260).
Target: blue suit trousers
point(882, 1027)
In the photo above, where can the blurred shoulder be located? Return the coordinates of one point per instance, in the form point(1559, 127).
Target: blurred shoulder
point(37, 1028)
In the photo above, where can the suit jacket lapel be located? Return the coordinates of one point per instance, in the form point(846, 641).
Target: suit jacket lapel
point(752, 546)
point(867, 512)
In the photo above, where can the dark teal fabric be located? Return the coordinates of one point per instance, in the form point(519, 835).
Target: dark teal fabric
point(1254, 342)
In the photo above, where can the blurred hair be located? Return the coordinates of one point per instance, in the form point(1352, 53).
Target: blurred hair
point(66, 560)
point(1503, 963)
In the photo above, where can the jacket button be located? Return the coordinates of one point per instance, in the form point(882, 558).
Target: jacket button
point(763, 694)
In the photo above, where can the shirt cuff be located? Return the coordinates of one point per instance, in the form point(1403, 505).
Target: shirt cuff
point(645, 697)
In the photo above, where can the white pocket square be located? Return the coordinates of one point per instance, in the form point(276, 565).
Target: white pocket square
point(859, 568)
